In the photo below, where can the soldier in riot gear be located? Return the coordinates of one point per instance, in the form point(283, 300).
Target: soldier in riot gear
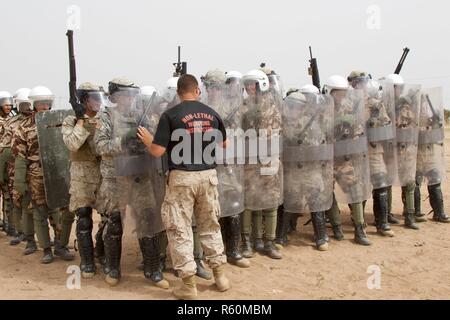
point(379, 104)
point(22, 211)
point(6, 105)
point(29, 168)
point(430, 155)
point(351, 166)
point(222, 92)
point(78, 134)
point(127, 175)
point(308, 159)
point(262, 117)
point(407, 104)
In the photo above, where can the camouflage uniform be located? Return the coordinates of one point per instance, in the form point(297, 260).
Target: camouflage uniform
point(407, 136)
point(84, 182)
point(430, 155)
point(6, 192)
point(226, 99)
point(263, 182)
point(189, 194)
point(308, 159)
point(23, 209)
point(382, 153)
point(137, 191)
point(351, 171)
point(25, 148)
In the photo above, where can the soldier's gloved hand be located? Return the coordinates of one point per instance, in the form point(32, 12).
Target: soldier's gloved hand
point(20, 174)
point(5, 156)
point(78, 108)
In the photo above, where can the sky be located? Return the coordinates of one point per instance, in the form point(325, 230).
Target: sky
point(139, 39)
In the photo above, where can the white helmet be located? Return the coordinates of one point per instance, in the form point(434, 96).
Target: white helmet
point(41, 93)
point(233, 74)
point(148, 91)
point(170, 91)
point(5, 98)
point(20, 96)
point(309, 88)
point(259, 77)
point(396, 79)
point(336, 82)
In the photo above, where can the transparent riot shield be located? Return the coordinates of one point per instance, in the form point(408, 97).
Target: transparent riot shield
point(430, 153)
point(407, 108)
point(381, 132)
point(55, 157)
point(140, 176)
point(308, 153)
point(351, 161)
point(263, 170)
point(226, 100)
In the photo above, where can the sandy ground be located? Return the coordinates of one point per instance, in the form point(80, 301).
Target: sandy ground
point(413, 265)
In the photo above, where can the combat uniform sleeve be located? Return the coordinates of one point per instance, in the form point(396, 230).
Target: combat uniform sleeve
point(105, 144)
point(19, 143)
point(74, 136)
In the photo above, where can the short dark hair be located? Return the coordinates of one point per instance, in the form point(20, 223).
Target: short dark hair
point(186, 83)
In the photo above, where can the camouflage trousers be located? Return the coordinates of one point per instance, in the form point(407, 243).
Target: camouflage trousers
point(190, 193)
point(407, 160)
point(84, 184)
point(431, 163)
point(107, 200)
point(35, 180)
point(7, 203)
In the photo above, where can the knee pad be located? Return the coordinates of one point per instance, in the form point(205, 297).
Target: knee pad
point(84, 222)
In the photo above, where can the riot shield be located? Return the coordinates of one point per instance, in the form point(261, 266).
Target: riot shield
point(308, 153)
point(380, 107)
point(407, 107)
point(226, 100)
point(430, 153)
point(263, 170)
point(55, 157)
point(140, 176)
point(351, 162)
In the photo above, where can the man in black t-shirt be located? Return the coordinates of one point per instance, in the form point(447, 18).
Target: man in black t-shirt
point(189, 133)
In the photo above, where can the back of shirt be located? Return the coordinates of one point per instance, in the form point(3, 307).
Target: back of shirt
point(190, 132)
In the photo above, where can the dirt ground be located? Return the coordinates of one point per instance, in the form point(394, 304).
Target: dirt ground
point(413, 265)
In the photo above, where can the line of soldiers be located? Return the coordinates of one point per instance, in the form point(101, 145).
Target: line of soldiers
point(359, 136)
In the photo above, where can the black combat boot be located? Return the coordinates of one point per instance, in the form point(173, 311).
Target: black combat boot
point(293, 222)
point(113, 248)
point(63, 251)
point(18, 239)
point(85, 244)
point(437, 203)
point(233, 235)
point(31, 246)
point(283, 226)
point(320, 230)
point(99, 250)
point(391, 218)
point(380, 210)
point(152, 268)
point(361, 236)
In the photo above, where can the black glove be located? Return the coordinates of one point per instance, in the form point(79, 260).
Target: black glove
point(79, 109)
